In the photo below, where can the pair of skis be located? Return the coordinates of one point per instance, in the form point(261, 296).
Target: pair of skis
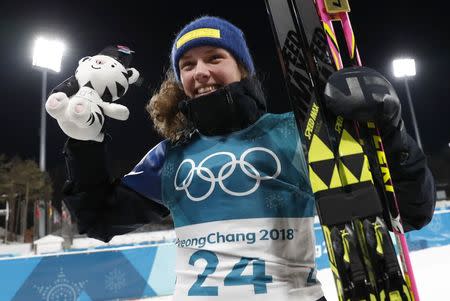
point(348, 171)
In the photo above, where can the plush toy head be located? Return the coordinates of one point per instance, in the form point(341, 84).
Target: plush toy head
point(81, 102)
point(107, 72)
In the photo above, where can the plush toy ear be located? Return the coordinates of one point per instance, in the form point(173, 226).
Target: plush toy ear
point(83, 59)
point(133, 75)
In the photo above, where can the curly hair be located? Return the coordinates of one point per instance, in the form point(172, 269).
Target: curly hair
point(163, 109)
point(168, 121)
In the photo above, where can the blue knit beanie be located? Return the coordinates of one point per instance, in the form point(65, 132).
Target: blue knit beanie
point(211, 31)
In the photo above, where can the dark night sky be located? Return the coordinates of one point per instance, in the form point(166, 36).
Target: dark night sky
point(382, 33)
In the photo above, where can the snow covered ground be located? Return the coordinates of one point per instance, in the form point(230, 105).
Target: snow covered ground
point(53, 243)
point(432, 272)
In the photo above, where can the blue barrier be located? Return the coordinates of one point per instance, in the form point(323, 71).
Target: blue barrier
point(138, 271)
point(97, 275)
point(435, 234)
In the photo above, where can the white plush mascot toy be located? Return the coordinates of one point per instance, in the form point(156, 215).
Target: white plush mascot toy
point(80, 103)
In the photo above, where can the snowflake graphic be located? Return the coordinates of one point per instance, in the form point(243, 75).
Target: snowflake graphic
point(289, 129)
point(61, 289)
point(115, 280)
point(169, 170)
point(274, 200)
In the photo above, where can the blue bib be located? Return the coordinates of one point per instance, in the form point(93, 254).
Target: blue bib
point(257, 172)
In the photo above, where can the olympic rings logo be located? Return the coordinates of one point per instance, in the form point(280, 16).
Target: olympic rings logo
point(225, 172)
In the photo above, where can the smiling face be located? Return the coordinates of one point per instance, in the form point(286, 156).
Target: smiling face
point(105, 74)
point(205, 69)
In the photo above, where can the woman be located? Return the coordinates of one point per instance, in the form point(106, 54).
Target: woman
point(233, 177)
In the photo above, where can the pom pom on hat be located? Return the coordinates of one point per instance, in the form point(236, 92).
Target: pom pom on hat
point(211, 31)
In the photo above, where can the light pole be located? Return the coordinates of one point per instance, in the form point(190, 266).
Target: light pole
point(405, 68)
point(47, 56)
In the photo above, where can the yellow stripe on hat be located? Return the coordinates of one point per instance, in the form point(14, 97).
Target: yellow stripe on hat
point(198, 33)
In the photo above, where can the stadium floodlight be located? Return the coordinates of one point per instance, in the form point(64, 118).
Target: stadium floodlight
point(47, 56)
point(404, 67)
